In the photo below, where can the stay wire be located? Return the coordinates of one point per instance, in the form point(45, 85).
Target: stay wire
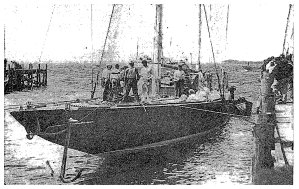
point(216, 70)
point(95, 85)
point(46, 34)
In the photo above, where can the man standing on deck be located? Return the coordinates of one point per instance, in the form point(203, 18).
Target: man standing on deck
point(131, 79)
point(208, 78)
point(178, 77)
point(115, 81)
point(201, 80)
point(145, 82)
point(106, 83)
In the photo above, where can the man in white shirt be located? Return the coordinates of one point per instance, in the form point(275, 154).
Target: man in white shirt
point(179, 77)
point(145, 82)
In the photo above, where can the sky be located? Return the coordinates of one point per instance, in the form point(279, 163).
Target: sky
point(33, 33)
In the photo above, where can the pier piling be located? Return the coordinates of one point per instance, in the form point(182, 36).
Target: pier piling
point(264, 129)
point(20, 78)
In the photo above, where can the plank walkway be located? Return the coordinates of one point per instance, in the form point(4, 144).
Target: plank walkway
point(283, 152)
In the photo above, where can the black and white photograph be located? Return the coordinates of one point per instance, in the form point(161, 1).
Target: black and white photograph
point(148, 93)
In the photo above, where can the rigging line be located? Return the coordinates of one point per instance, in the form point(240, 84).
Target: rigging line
point(226, 29)
point(46, 34)
point(281, 146)
point(286, 30)
point(219, 85)
point(95, 85)
point(4, 43)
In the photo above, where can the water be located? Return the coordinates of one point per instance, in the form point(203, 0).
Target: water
point(224, 157)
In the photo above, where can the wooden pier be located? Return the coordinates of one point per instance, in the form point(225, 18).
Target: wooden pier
point(284, 135)
point(274, 139)
point(18, 78)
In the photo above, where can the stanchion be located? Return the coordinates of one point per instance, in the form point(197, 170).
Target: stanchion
point(263, 131)
point(64, 158)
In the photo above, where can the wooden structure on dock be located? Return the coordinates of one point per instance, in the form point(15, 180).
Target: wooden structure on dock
point(284, 135)
point(274, 134)
point(18, 78)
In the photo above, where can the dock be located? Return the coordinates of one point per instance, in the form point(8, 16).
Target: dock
point(18, 78)
point(273, 131)
point(284, 135)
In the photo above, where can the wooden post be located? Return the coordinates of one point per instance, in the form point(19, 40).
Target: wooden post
point(22, 77)
point(264, 129)
point(46, 74)
point(38, 76)
point(9, 79)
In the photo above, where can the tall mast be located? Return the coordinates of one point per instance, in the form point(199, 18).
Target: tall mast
point(4, 43)
point(199, 36)
point(91, 34)
point(159, 10)
point(158, 48)
point(286, 30)
point(226, 29)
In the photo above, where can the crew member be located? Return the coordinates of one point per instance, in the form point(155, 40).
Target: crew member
point(178, 77)
point(208, 77)
point(282, 73)
point(115, 81)
point(106, 83)
point(200, 80)
point(145, 82)
point(131, 78)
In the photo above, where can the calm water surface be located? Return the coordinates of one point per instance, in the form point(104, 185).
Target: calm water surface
point(223, 157)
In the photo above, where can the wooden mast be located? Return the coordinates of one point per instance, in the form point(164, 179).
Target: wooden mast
point(286, 30)
point(91, 38)
point(199, 36)
point(91, 34)
point(159, 46)
point(4, 43)
point(159, 9)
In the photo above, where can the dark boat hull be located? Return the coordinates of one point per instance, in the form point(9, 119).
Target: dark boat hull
point(109, 129)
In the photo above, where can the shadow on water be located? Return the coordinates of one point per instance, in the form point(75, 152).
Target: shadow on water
point(154, 166)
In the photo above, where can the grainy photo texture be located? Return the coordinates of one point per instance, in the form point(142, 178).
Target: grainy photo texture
point(148, 94)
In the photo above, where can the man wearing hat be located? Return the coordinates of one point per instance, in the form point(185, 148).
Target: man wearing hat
point(178, 77)
point(131, 79)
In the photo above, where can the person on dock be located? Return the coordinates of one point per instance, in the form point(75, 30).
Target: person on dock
point(282, 71)
point(179, 77)
point(106, 83)
point(131, 79)
point(145, 82)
